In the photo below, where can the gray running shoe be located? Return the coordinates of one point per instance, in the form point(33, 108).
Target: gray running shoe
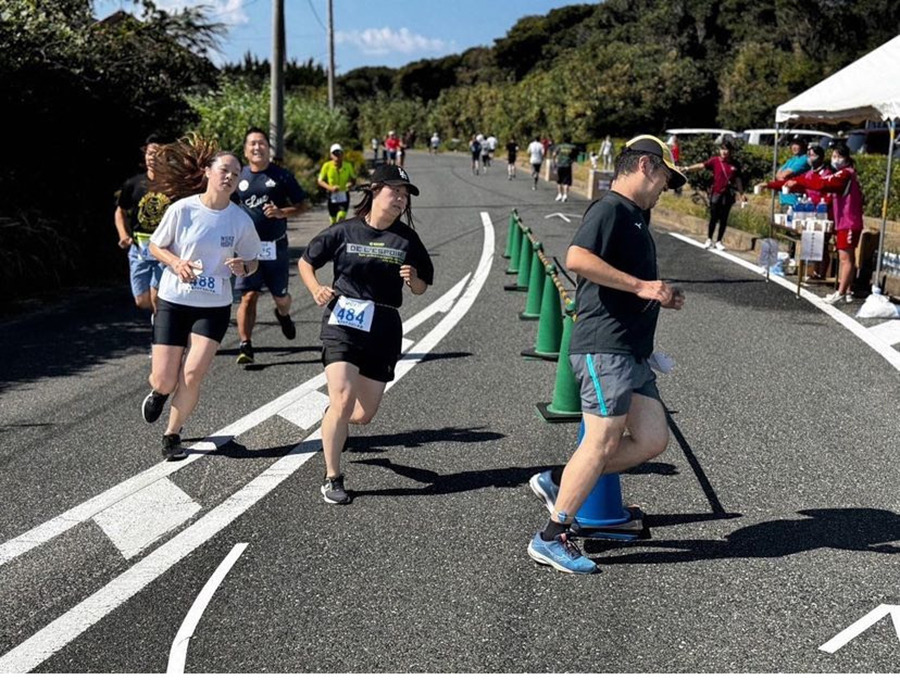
point(153, 406)
point(333, 491)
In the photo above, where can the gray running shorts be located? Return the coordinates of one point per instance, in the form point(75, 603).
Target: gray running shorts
point(607, 382)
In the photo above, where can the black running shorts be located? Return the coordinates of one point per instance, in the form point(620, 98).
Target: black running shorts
point(372, 365)
point(174, 323)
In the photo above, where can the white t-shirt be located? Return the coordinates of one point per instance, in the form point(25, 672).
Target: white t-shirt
point(492, 143)
point(536, 149)
point(194, 232)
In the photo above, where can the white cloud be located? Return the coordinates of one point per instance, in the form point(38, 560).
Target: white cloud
point(229, 12)
point(377, 41)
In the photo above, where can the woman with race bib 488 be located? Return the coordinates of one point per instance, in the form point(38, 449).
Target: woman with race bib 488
point(374, 254)
point(202, 240)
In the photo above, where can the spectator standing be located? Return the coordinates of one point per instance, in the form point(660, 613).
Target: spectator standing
point(847, 206)
point(269, 194)
point(606, 153)
point(564, 156)
point(726, 172)
point(797, 164)
point(536, 158)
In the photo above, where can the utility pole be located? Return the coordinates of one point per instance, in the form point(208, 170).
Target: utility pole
point(330, 55)
point(276, 98)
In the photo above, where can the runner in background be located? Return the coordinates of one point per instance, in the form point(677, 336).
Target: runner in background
point(202, 241)
point(337, 178)
point(374, 254)
point(270, 195)
point(435, 143)
point(138, 212)
point(536, 157)
point(564, 156)
point(512, 150)
point(391, 147)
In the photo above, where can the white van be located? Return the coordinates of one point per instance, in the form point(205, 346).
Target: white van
point(686, 133)
point(766, 137)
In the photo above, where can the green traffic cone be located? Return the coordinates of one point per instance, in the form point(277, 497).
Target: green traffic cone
point(536, 278)
point(525, 256)
point(550, 324)
point(513, 226)
point(514, 249)
point(566, 404)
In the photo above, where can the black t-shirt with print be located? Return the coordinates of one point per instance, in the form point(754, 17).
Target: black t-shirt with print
point(143, 207)
point(366, 265)
point(272, 185)
point(608, 320)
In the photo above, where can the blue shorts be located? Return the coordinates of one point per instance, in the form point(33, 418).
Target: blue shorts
point(271, 274)
point(608, 380)
point(146, 270)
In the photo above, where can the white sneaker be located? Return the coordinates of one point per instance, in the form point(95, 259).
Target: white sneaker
point(832, 298)
point(720, 245)
point(848, 298)
point(558, 197)
point(565, 198)
point(708, 243)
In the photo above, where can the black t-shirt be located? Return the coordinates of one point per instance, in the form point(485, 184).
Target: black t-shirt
point(367, 263)
point(272, 185)
point(143, 207)
point(511, 150)
point(609, 320)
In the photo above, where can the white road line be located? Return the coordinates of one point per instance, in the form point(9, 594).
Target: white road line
point(178, 652)
point(53, 637)
point(85, 511)
point(888, 332)
point(866, 622)
point(891, 355)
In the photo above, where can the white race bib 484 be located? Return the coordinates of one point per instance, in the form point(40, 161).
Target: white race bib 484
point(352, 313)
point(267, 250)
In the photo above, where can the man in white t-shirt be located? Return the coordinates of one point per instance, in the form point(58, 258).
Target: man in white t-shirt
point(536, 156)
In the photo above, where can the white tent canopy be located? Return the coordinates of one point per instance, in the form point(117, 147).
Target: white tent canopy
point(867, 89)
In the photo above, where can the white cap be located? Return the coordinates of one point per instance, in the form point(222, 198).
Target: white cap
point(336, 147)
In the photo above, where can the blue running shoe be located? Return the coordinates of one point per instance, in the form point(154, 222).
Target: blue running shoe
point(561, 553)
point(544, 488)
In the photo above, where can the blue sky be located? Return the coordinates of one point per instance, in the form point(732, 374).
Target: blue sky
point(367, 32)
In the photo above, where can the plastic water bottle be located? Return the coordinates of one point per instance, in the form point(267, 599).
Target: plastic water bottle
point(822, 210)
point(789, 217)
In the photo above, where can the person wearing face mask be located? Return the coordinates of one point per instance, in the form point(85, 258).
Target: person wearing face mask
point(727, 182)
point(618, 297)
point(374, 255)
point(202, 241)
point(847, 208)
point(815, 156)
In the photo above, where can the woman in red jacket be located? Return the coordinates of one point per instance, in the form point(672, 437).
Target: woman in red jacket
point(847, 206)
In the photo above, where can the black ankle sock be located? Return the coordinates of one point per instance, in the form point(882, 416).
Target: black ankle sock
point(556, 475)
point(554, 529)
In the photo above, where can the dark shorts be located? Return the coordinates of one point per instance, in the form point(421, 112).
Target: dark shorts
point(174, 323)
point(335, 208)
point(535, 169)
point(608, 382)
point(476, 156)
point(564, 176)
point(271, 274)
point(374, 353)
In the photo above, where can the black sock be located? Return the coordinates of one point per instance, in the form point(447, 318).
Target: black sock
point(554, 529)
point(556, 475)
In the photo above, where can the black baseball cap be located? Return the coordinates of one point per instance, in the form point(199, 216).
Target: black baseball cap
point(656, 147)
point(395, 176)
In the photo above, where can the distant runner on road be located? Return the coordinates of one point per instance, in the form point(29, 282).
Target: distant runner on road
point(536, 158)
point(337, 177)
point(203, 240)
point(374, 254)
point(270, 195)
point(618, 298)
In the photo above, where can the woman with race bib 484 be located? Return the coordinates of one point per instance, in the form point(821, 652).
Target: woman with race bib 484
point(374, 254)
point(202, 240)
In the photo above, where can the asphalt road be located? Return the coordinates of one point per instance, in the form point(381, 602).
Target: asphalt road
point(773, 513)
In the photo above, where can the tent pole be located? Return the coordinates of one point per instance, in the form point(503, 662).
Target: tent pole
point(884, 205)
point(772, 209)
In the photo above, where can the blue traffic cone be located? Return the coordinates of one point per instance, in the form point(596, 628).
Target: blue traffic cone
point(603, 514)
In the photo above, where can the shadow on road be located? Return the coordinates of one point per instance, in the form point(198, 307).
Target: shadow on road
point(857, 529)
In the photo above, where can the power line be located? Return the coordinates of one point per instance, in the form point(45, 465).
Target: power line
point(316, 14)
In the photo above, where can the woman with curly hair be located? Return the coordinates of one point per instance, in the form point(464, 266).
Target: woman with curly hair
point(202, 240)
